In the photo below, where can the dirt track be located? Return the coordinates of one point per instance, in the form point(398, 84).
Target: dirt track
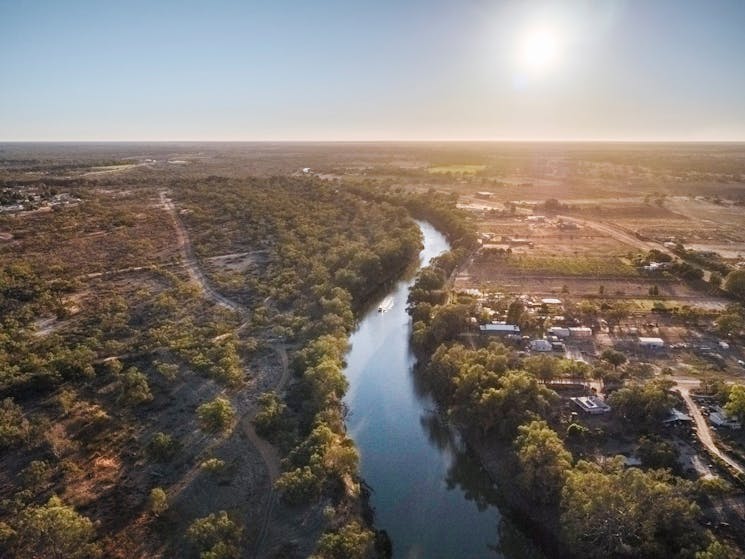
point(618, 234)
point(627, 237)
point(268, 452)
point(702, 428)
point(190, 261)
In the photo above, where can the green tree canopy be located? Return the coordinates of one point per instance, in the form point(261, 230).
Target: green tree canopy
point(544, 367)
point(351, 541)
point(735, 405)
point(615, 358)
point(643, 404)
point(216, 415)
point(611, 511)
point(732, 321)
point(657, 453)
point(157, 502)
point(216, 536)
point(718, 550)
point(134, 388)
point(518, 398)
point(54, 531)
point(544, 461)
point(735, 283)
point(14, 427)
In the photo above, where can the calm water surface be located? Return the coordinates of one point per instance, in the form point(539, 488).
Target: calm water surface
point(429, 494)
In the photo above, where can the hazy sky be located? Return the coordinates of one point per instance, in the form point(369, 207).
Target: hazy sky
point(382, 69)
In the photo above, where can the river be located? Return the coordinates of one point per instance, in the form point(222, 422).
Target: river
point(428, 492)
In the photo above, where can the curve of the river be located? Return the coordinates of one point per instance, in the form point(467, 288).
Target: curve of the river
point(429, 494)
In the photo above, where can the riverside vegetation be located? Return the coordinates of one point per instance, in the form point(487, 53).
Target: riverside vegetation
point(499, 399)
point(120, 376)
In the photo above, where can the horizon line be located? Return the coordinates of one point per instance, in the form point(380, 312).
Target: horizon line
point(380, 140)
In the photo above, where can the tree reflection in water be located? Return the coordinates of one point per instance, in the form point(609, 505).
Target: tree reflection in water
point(467, 474)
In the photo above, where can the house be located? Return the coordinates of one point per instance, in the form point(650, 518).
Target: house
point(540, 345)
point(720, 418)
point(677, 416)
point(580, 332)
point(657, 266)
point(651, 343)
point(499, 329)
point(591, 404)
point(558, 331)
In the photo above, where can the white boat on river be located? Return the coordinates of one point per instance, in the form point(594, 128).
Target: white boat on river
point(386, 304)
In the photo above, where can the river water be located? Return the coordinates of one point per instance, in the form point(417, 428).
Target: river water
point(428, 492)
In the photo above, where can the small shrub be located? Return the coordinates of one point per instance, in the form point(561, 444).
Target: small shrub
point(350, 542)
point(14, 427)
point(168, 371)
point(162, 447)
point(299, 485)
point(37, 473)
point(216, 536)
point(213, 465)
point(67, 399)
point(134, 388)
point(157, 502)
point(216, 415)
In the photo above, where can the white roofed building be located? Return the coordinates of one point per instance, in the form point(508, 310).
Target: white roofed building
point(651, 343)
point(499, 329)
point(580, 332)
point(591, 405)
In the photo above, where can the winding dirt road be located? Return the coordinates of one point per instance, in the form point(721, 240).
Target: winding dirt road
point(703, 430)
point(267, 451)
point(190, 261)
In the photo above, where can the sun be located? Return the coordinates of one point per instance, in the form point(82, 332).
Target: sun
point(539, 50)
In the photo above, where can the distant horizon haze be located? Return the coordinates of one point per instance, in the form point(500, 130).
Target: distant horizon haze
point(381, 141)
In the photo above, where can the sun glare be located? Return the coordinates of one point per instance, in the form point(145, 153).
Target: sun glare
point(539, 50)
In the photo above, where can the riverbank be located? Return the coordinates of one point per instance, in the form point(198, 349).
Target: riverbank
point(542, 527)
point(495, 394)
point(428, 492)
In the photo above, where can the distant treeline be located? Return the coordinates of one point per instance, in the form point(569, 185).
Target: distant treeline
point(436, 207)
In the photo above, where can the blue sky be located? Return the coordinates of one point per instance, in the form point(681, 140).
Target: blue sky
point(385, 69)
